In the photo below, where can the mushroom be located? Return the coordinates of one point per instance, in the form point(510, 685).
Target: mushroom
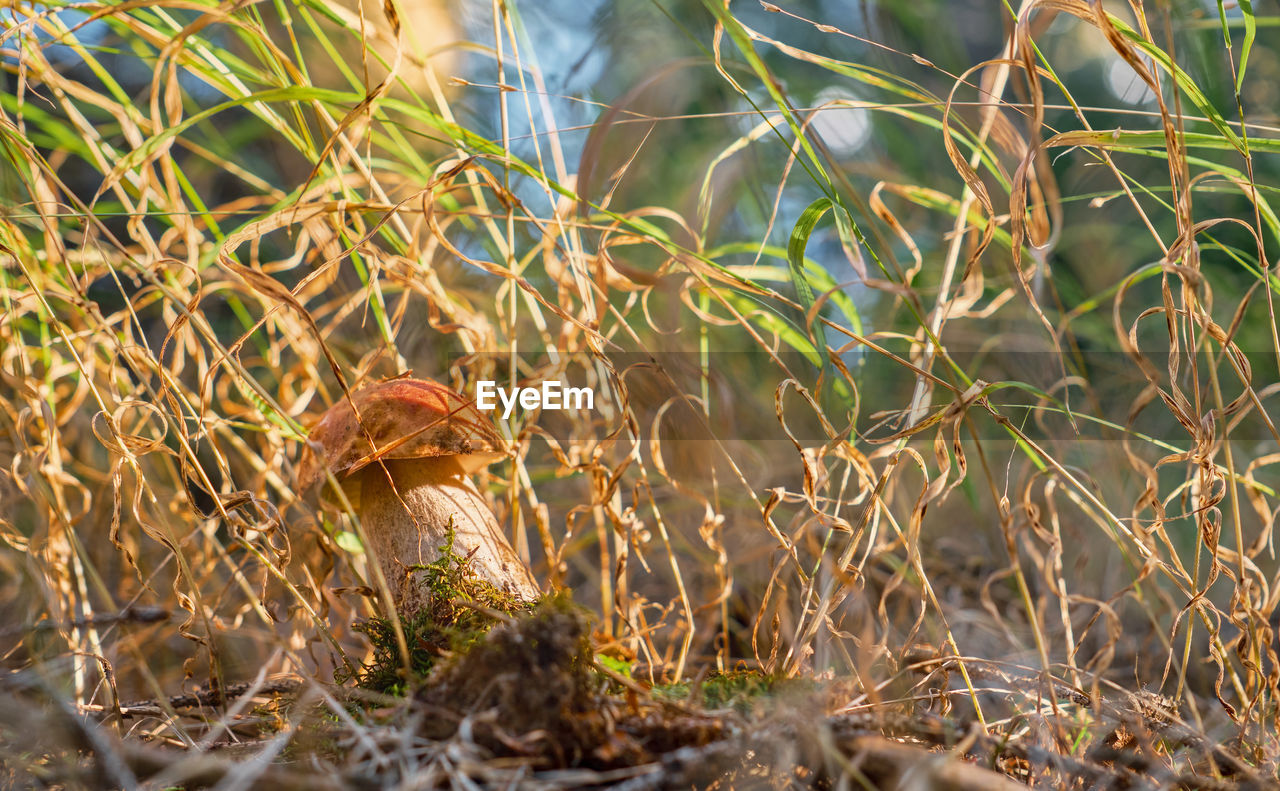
point(414, 483)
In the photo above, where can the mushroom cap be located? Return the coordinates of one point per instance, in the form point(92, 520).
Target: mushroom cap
point(407, 419)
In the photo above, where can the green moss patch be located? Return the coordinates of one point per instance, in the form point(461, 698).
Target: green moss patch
point(463, 608)
point(743, 691)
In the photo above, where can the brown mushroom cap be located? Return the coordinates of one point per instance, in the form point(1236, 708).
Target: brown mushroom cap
point(407, 419)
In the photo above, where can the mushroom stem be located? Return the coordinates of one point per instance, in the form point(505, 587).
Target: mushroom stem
point(435, 491)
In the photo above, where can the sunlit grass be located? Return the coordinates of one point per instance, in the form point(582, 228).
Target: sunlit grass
point(817, 452)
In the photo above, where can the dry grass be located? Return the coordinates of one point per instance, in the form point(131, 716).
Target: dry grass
point(926, 490)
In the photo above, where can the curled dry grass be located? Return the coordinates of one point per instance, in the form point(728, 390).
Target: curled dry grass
point(198, 262)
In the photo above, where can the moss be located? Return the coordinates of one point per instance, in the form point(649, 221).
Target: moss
point(463, 608)
point(740, 690)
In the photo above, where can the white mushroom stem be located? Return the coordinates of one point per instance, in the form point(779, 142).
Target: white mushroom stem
point(406, 526)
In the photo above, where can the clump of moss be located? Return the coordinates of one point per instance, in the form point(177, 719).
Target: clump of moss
point(537, 672)
point(463, 607)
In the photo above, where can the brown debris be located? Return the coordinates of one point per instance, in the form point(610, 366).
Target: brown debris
point(529, 689)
